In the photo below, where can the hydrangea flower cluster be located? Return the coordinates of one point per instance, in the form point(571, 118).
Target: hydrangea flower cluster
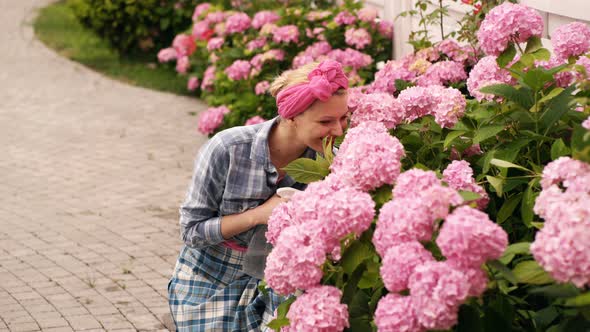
point(286, 34)
point(487, 72)
point(562, 247)
point(385, 78)
point(263, 17)
point(320, 310)
point(447, 105)
point(442, 73)
point(184, 45)
point(359, 38)
point(508, 23)
point(317, 218)
point(467, 239)
point(368, 157)
point(208, 78)
point(200, 9)
point(254, 120)
point(192, 84)
point(459, 176)
point(261, 87)
point(380, 107)
point(237, 23)
point(351, 58)
point(344, 18)
point(212, 118)
point(571, 39)
point(215, 43)
point(313, 52)
point(239, 70)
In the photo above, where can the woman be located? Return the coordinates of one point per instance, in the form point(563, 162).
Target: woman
point(232, 195)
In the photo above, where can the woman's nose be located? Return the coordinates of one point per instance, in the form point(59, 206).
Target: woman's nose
point(337, 130)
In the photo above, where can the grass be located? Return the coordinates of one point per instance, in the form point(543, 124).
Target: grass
point(57, 27)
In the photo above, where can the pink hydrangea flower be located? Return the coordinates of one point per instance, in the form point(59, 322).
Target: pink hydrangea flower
point(359, 38)
point(200, 9)
point(437, 292)
point(571, 39)
point(395, 313)
point(193, 83)
point(367, 14)
point(237, 23)
point(586, 123)
point(208, 78)
point(182, 64)
point(369, 160)
point(449, 47)
point(385, 78)
point(279, 219)
point(319, 309)
point(507, 23)
point(450, 105)
point(211, 119)
point(254, 120)
point(385, 28)
point(263, 17)
point(417, 102)
point(286, 34)
point(317, 15)
point(312, 53)
point(294, 263)
point(399, 263)
point(256, 44)
point(478, 278)
point(402, 220)
point(486, 72)
point(261, 87)
point(216, 17)
point(167, 54)
point(565, 255)
point(351, 58)
point(344, 18)
point(459, 176)
point(442, 73)
point(202, 30)
point(470, 238)
point(562, 79)
point(184, 45)
point(380, 107)
point(215, 43)
point(239, 70)
point(563, 169)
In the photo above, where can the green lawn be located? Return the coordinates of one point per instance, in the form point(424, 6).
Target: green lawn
point(57, 27)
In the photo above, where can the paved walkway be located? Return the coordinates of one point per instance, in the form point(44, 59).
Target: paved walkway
point(91, 175)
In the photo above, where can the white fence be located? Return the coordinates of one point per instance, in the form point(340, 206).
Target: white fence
point(555, 13)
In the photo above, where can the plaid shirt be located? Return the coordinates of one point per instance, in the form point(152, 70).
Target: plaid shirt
point(233, 173)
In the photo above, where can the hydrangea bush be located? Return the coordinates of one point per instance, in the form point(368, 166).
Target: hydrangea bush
point(234, 55)
point(458, 199)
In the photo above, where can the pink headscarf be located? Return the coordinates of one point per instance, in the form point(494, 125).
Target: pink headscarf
point(326, 79)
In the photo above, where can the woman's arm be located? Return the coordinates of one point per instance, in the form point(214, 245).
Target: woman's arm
point(237, 223)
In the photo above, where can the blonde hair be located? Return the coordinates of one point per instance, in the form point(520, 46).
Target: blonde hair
point(292, 77)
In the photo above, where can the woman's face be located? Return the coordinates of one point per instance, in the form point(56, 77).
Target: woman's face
point(323, 119)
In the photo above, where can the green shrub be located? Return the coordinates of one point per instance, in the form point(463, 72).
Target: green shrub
point(132, 25)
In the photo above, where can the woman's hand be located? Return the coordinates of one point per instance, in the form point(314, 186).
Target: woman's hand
point(264, 211)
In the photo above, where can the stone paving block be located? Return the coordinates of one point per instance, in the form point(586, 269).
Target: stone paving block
point(24, 327)
point(85, 322)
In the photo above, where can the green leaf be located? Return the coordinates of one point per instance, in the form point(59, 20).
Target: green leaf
point(277, 323)
point(533, 44)
point(529, 272)
point(536, 78)
point(506, 56)
point(305, 170)
point(581, 300)
point(496, 183)
point(401, 85)
point(486, 161)
point(580, 144)
point(371, 276)
point(519, 248)
point(327, 148)
point(469, 320)
point(542, 54)
point(451, 137)
point(469, 195)
point(283, 308)
point(507, 208)
point(556, 290)
point(487, 132)
point(528, 202)
point(557, 107)
point(507, 164)
point(559, 149)
point(504, 271)
point(354, 255)
point(522, 97)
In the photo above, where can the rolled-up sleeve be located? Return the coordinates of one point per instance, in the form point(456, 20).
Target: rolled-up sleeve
point(200, 220)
